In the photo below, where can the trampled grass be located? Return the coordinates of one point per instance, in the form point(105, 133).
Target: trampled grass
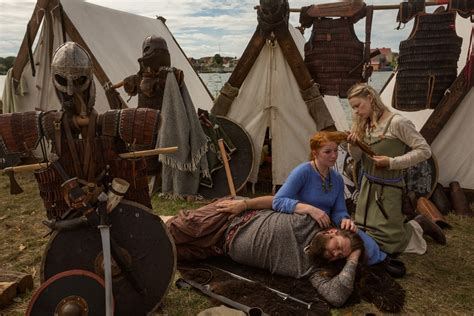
point(439, 282)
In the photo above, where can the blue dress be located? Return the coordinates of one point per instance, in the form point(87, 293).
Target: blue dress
point(304, 185)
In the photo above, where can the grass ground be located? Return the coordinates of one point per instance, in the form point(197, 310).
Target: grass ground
point(439, 282)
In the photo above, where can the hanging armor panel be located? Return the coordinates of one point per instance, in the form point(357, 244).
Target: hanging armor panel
point(19, 132)
point(139, 126)
point(427, 64)
point(334, 55)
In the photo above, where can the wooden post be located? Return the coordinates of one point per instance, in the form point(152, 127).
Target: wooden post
point(228, 174)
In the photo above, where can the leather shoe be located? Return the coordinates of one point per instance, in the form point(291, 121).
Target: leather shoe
point(431, 229)
point(395, 268)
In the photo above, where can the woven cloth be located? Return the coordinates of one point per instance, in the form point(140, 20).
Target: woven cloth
point(181, 127)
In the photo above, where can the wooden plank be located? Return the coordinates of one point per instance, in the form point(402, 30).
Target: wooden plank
point(23, 280)
point(222, 103)
point(99, 72)
point(293, 57)
point(448, 104)
point(379, 7)
point(247, 59)
point(34, 24)
point(8, 292)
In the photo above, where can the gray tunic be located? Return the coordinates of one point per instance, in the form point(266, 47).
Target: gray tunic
point(275, 242)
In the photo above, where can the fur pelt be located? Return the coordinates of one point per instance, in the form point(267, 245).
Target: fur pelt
point(373, 285)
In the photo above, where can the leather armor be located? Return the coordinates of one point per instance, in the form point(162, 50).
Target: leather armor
point(334, 55)
point(427, 64)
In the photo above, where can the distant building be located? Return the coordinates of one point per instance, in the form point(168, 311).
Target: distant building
point(207, 64)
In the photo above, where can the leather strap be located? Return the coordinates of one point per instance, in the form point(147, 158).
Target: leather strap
point(368, 31)
point(72, 149)
point(58, 116)
point(89, 163)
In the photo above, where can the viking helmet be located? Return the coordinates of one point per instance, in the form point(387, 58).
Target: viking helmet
point(72, 75)
point(71, 68)
point(155, 53)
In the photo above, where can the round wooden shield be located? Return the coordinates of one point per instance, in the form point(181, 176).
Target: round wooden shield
point(143, 243)
point(240, 163)
point(73, 292)
point(422, 177)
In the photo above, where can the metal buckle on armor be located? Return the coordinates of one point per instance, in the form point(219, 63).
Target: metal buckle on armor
point(57, 125)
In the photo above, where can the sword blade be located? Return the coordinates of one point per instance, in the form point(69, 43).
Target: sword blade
point(105, 236)
point(283, 295)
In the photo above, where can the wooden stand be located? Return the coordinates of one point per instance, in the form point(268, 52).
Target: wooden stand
point(13, 283)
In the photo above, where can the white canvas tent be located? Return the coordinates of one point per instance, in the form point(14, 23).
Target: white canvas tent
point(113, 37)
point(270, 98)
point(453, 146)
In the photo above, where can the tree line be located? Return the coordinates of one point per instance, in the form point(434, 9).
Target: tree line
point(6, 63)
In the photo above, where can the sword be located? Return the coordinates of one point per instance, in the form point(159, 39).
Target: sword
point(251, 311)
point(105, 235)
point(281, 294)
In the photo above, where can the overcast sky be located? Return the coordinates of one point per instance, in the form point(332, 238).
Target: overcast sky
point(202, 28)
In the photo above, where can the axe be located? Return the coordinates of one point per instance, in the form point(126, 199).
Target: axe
point(16, 189)
point(10, 172)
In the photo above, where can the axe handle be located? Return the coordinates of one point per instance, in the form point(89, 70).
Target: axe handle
point(150, 152)
point(228, 174)
point(26, 168)
point(133, 154)
point(118, 85)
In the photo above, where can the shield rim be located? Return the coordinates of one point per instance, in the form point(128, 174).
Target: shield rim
point(144, 208)
point(60, 275)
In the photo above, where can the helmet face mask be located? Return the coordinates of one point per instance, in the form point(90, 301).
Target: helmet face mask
point(155, 53)
point(72, 73)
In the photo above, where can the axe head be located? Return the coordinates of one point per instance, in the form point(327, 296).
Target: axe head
point(14, 186)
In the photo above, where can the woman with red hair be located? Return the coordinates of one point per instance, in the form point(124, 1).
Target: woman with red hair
point(316, 189)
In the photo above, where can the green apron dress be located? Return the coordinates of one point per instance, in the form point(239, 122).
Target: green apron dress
point(379, 207)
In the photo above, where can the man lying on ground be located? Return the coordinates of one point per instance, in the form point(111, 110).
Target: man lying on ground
point(291, 245)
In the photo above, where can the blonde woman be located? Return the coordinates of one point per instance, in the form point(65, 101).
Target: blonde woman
point(398, 145)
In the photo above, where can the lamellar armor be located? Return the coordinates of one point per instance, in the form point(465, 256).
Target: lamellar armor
point(427, 64)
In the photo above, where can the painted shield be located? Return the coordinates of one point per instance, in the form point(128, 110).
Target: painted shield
point(241, 162)
point(73, 292)
point(422, 177)
point(141, 241)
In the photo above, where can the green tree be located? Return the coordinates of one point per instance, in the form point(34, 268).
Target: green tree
point(218, 59)
point(6, 63)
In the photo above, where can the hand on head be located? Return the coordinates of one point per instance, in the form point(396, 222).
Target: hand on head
point(348, 224)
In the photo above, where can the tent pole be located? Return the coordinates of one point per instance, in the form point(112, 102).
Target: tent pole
point(33, 26)
point(449, 103)
point(104, 80)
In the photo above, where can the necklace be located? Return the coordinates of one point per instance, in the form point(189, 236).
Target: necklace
point(371, 126)
point(326, 181)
